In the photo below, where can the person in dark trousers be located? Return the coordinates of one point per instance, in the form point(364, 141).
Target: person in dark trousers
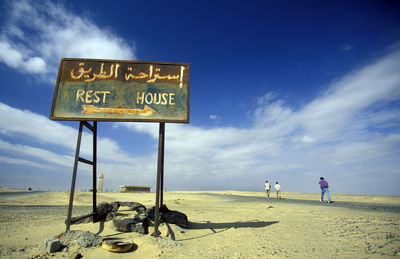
point(324, 189)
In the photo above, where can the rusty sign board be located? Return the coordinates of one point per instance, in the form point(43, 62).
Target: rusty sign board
point(120, 90)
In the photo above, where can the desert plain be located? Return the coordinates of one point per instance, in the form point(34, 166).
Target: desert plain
point(222, 224)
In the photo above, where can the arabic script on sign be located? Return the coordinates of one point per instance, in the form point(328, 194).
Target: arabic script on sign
point(152, 75)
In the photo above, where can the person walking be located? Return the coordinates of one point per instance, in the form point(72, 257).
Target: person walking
point(267, 188)
point(278, 190)
point(324, 189)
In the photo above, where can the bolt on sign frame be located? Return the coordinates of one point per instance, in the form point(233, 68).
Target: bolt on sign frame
point(120, 90)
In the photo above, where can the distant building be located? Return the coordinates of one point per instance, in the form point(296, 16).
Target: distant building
point(101, 179)
point(132, 188)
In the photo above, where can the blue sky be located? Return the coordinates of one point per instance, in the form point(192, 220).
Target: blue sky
point(281, 90)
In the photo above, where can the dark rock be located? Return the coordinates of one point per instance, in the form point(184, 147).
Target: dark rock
point(176, 217)
point(51, 245)
point(102, 211)
point(169, 216)
point(115, 206)
point(128, 224)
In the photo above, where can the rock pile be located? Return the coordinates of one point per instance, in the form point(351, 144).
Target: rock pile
point(80, 237)
point(132, 223)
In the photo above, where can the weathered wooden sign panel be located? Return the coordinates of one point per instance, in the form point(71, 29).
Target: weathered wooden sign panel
point(118, 90)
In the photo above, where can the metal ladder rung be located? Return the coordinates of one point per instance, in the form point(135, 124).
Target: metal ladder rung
point(80, 159)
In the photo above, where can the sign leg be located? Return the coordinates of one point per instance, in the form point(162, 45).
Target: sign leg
point(94, 168)
point(160, 166)
point(72, 191)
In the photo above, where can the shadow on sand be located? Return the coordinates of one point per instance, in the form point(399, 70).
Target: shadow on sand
point(239, 224)
point(221, 227)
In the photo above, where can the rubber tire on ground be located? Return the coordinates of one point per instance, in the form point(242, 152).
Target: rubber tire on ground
point(117, 245)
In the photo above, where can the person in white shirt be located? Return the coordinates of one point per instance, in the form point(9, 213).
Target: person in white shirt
point(267, 188)
point(278, 190)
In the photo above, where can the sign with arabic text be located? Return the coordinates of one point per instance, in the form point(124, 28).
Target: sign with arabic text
point(120, 90)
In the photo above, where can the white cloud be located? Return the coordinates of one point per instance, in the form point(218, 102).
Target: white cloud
point(15, 121)
point(25, 162)
point(45, 155)
point(10, 56)
point(304, 139)
point(37, 34)
point(346, 47)
point(336, 109)
point(214, 117)
point(35, 65)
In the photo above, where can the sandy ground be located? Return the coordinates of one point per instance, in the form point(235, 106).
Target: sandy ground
point(224, 224)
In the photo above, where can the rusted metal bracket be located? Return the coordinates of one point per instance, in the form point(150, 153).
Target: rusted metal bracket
point(92, 128)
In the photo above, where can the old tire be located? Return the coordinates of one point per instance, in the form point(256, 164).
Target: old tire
point(117, 245)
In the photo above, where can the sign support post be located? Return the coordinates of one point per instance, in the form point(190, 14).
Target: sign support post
point(160, 173)
point(94, 166)
point(74, 171)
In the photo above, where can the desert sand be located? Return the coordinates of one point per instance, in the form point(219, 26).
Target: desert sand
point(223, 224)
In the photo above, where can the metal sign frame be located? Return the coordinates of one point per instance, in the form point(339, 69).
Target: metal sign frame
point(86, 77)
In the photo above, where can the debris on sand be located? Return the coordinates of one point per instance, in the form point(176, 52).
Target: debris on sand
point(79, 237)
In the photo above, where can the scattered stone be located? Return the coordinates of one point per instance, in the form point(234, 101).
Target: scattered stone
point(51, 245)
